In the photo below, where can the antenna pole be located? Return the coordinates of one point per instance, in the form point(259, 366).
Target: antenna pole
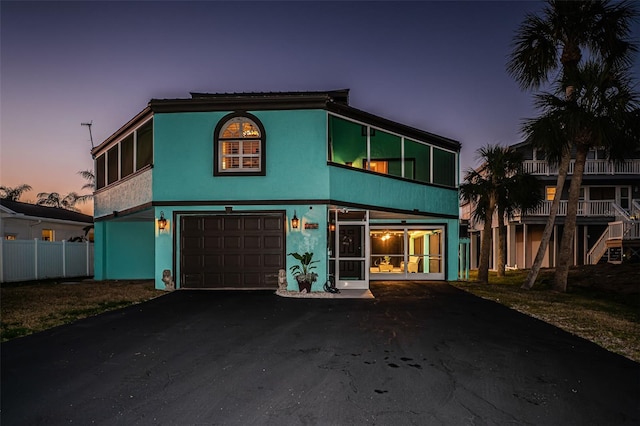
point(89, 124)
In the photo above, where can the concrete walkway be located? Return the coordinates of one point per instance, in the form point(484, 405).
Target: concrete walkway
point(419, 353)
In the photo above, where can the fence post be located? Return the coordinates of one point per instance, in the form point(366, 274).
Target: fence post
point(35, 247)
point(86, 256)
point(64, 258)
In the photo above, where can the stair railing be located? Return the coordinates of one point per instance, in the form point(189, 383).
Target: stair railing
point(599, 248)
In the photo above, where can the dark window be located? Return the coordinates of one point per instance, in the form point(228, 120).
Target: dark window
point(386, 153)
point(144, 145)
point(126, 156)
point(100, 175)
point(417, 158)
point(239, 146)
point(444, 167)
point(112, 165)
point(347, 142)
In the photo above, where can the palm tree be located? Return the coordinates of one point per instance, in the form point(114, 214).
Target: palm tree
point(497, 185)
point(13, 194)
point(53, 199)
point(602, 113)
point(549, 48)
point(91, 185)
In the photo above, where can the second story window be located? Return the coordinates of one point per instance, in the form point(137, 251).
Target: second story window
point(131, 154)
point(239, 146)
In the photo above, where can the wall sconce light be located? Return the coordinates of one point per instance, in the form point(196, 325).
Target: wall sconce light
point(162, 222)
point(332, 227)
point(295, 221)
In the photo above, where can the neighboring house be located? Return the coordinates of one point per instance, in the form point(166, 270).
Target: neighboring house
point(607, 227)
point(218, 189)
point(22, 221)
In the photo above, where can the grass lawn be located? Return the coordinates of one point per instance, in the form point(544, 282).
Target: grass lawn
point(27, 308)
point(602, 303)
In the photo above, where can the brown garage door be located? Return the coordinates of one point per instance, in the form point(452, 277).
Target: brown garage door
point(238, 251)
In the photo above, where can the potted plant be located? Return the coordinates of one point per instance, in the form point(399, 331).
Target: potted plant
point(302, 272)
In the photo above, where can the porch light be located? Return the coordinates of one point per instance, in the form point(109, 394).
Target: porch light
point(332, 227)
point(295, 221)
point(162, 222)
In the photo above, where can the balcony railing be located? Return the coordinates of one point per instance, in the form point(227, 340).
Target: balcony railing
point(591, 167)
point(585, 208)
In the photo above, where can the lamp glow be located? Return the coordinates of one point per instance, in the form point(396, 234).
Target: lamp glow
point(162, 222)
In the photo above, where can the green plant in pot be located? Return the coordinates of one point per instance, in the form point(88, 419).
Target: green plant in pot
point(302, 272)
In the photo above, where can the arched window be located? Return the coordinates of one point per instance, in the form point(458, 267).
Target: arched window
point(239, 144)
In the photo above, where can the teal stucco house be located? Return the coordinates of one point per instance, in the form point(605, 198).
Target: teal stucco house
point(217, 189)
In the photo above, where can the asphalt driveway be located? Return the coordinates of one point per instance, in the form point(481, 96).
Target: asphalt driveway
point(420, 353)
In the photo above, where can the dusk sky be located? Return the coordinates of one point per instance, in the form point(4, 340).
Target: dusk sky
point(436, 66)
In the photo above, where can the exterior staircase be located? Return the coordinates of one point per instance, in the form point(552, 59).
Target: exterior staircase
point(621, 240)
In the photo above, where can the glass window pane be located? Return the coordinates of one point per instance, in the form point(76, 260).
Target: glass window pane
point(444, 167)
point(231, 131)
point(100, 175)
point(251, 147)
point(347, 142)
point(230, 148)
point(144, 145)
point(386, 147)
point(550, 193)
point(230, 163)
point(387, 250)
point(126, 156)
point(417, 161)
point(112, 165)
point(425, 251)
point(250, 130)
point(250, 163)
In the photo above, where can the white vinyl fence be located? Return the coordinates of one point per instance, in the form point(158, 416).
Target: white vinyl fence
point(25, 260)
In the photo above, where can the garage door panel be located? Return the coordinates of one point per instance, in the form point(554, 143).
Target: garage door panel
point(272, 260)
point(272, 242)
point(212, 242)
point(213, 279)
point(252, 242)
point(252, 261)
point(232, 242)
point(232, 279)
point(192, 242)
point(213, 260)
point(192, 280)
point(272, 224)
point(193, 262)
point(192, 226)
point(232, 260)
point(252, 224)
point(212, 224)
point(232, 223)
point(235, 251)
point(251, 278)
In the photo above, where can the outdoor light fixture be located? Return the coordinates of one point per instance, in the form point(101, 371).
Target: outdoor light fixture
point(332, 227)
point(162, 222)
point(295, 221)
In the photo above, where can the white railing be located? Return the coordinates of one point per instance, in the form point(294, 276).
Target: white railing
point(620, 213)
point(585, 208)
point(598, 249)
point(591, 167)
point(623, 230)
point(26, 260)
